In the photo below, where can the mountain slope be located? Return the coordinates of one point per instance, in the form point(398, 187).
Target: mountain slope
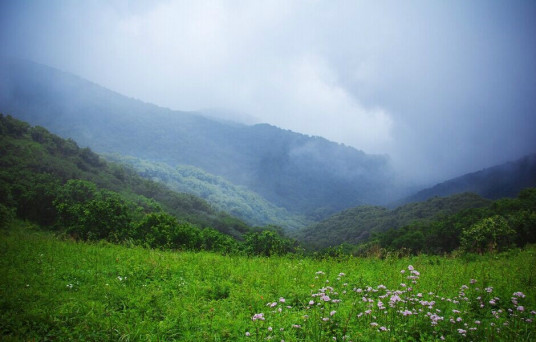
point(505, 180)
point(34, 164)
point(225, 196)
point(300, 173)
point(356, 224)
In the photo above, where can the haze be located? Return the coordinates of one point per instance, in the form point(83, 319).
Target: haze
point(443, 87)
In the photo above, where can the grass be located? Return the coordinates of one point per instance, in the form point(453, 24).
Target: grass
point(53, 289)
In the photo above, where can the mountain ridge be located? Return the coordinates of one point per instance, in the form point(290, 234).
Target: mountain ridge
point(498, 181)
point(305, 175)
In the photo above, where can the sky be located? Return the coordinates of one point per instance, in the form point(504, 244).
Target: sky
point(442, 87)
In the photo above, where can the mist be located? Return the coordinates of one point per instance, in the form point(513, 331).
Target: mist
point(443, 88)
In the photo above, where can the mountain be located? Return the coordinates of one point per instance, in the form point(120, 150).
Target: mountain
point(223, 195)
point(303, 174)
point(505, 180)
point(356, 225)
point(35, 164)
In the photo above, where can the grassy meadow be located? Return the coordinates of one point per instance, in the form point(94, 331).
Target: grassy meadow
point(59, 289)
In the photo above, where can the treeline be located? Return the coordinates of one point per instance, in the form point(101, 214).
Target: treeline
point(356, 225)
point(505, 223)
point(58, 185)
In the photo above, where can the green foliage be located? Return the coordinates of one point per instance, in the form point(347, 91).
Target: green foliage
point(490, 234)
point(7, 215)
point(268, 243)
point(92, 215)
point(497, 226)
point(35, 164)
point(160, 230)
point(359, 224)
point(54, 183)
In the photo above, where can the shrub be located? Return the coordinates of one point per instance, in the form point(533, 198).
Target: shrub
point(489, 234)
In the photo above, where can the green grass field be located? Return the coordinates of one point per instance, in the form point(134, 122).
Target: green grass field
point(53, 289)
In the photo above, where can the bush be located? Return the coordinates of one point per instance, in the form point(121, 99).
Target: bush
point(490, 234)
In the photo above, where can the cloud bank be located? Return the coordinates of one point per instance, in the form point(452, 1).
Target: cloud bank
point(444, 88)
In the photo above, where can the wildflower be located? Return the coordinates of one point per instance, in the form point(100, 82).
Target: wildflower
point(461, 331)
point(281, 299)
point(403, 271)
point(520, 308)
point(272, 304)
point(477, 322)
point(325, 319)
point(320, 272)
point(270, 328)
point(410, 268)
point(248, 334)
point(332, 313)
point(472, 281)
point(519, 294)
point(311, 302)
point(341, 274)
point(492, 302)
point(489, 289)
point(374, 324)
point(259, 316)
point(383, 328)
point(296, 326)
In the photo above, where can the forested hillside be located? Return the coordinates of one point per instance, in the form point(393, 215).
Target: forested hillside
point(36, 165)
point(505, 223)
point(353, 226)
point(223, 195)
point(505, 180)
point(305, 175)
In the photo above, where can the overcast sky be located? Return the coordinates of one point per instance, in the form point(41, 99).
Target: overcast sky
point(443, 87)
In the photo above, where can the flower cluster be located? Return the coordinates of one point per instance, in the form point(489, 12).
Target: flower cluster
point(334, 312)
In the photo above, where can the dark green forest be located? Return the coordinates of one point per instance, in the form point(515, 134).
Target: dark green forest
point(502, 224)
point(355, 225)
point(56, 184)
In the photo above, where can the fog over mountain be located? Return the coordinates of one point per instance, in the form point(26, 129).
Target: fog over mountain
point(443, 88)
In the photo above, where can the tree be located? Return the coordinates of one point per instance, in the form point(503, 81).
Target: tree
point(490, 234)
point(90, 214)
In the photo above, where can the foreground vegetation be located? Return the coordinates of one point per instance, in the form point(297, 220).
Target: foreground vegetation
point(54, 289)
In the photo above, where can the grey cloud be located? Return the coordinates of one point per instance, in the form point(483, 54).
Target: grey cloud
point(443, 87)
